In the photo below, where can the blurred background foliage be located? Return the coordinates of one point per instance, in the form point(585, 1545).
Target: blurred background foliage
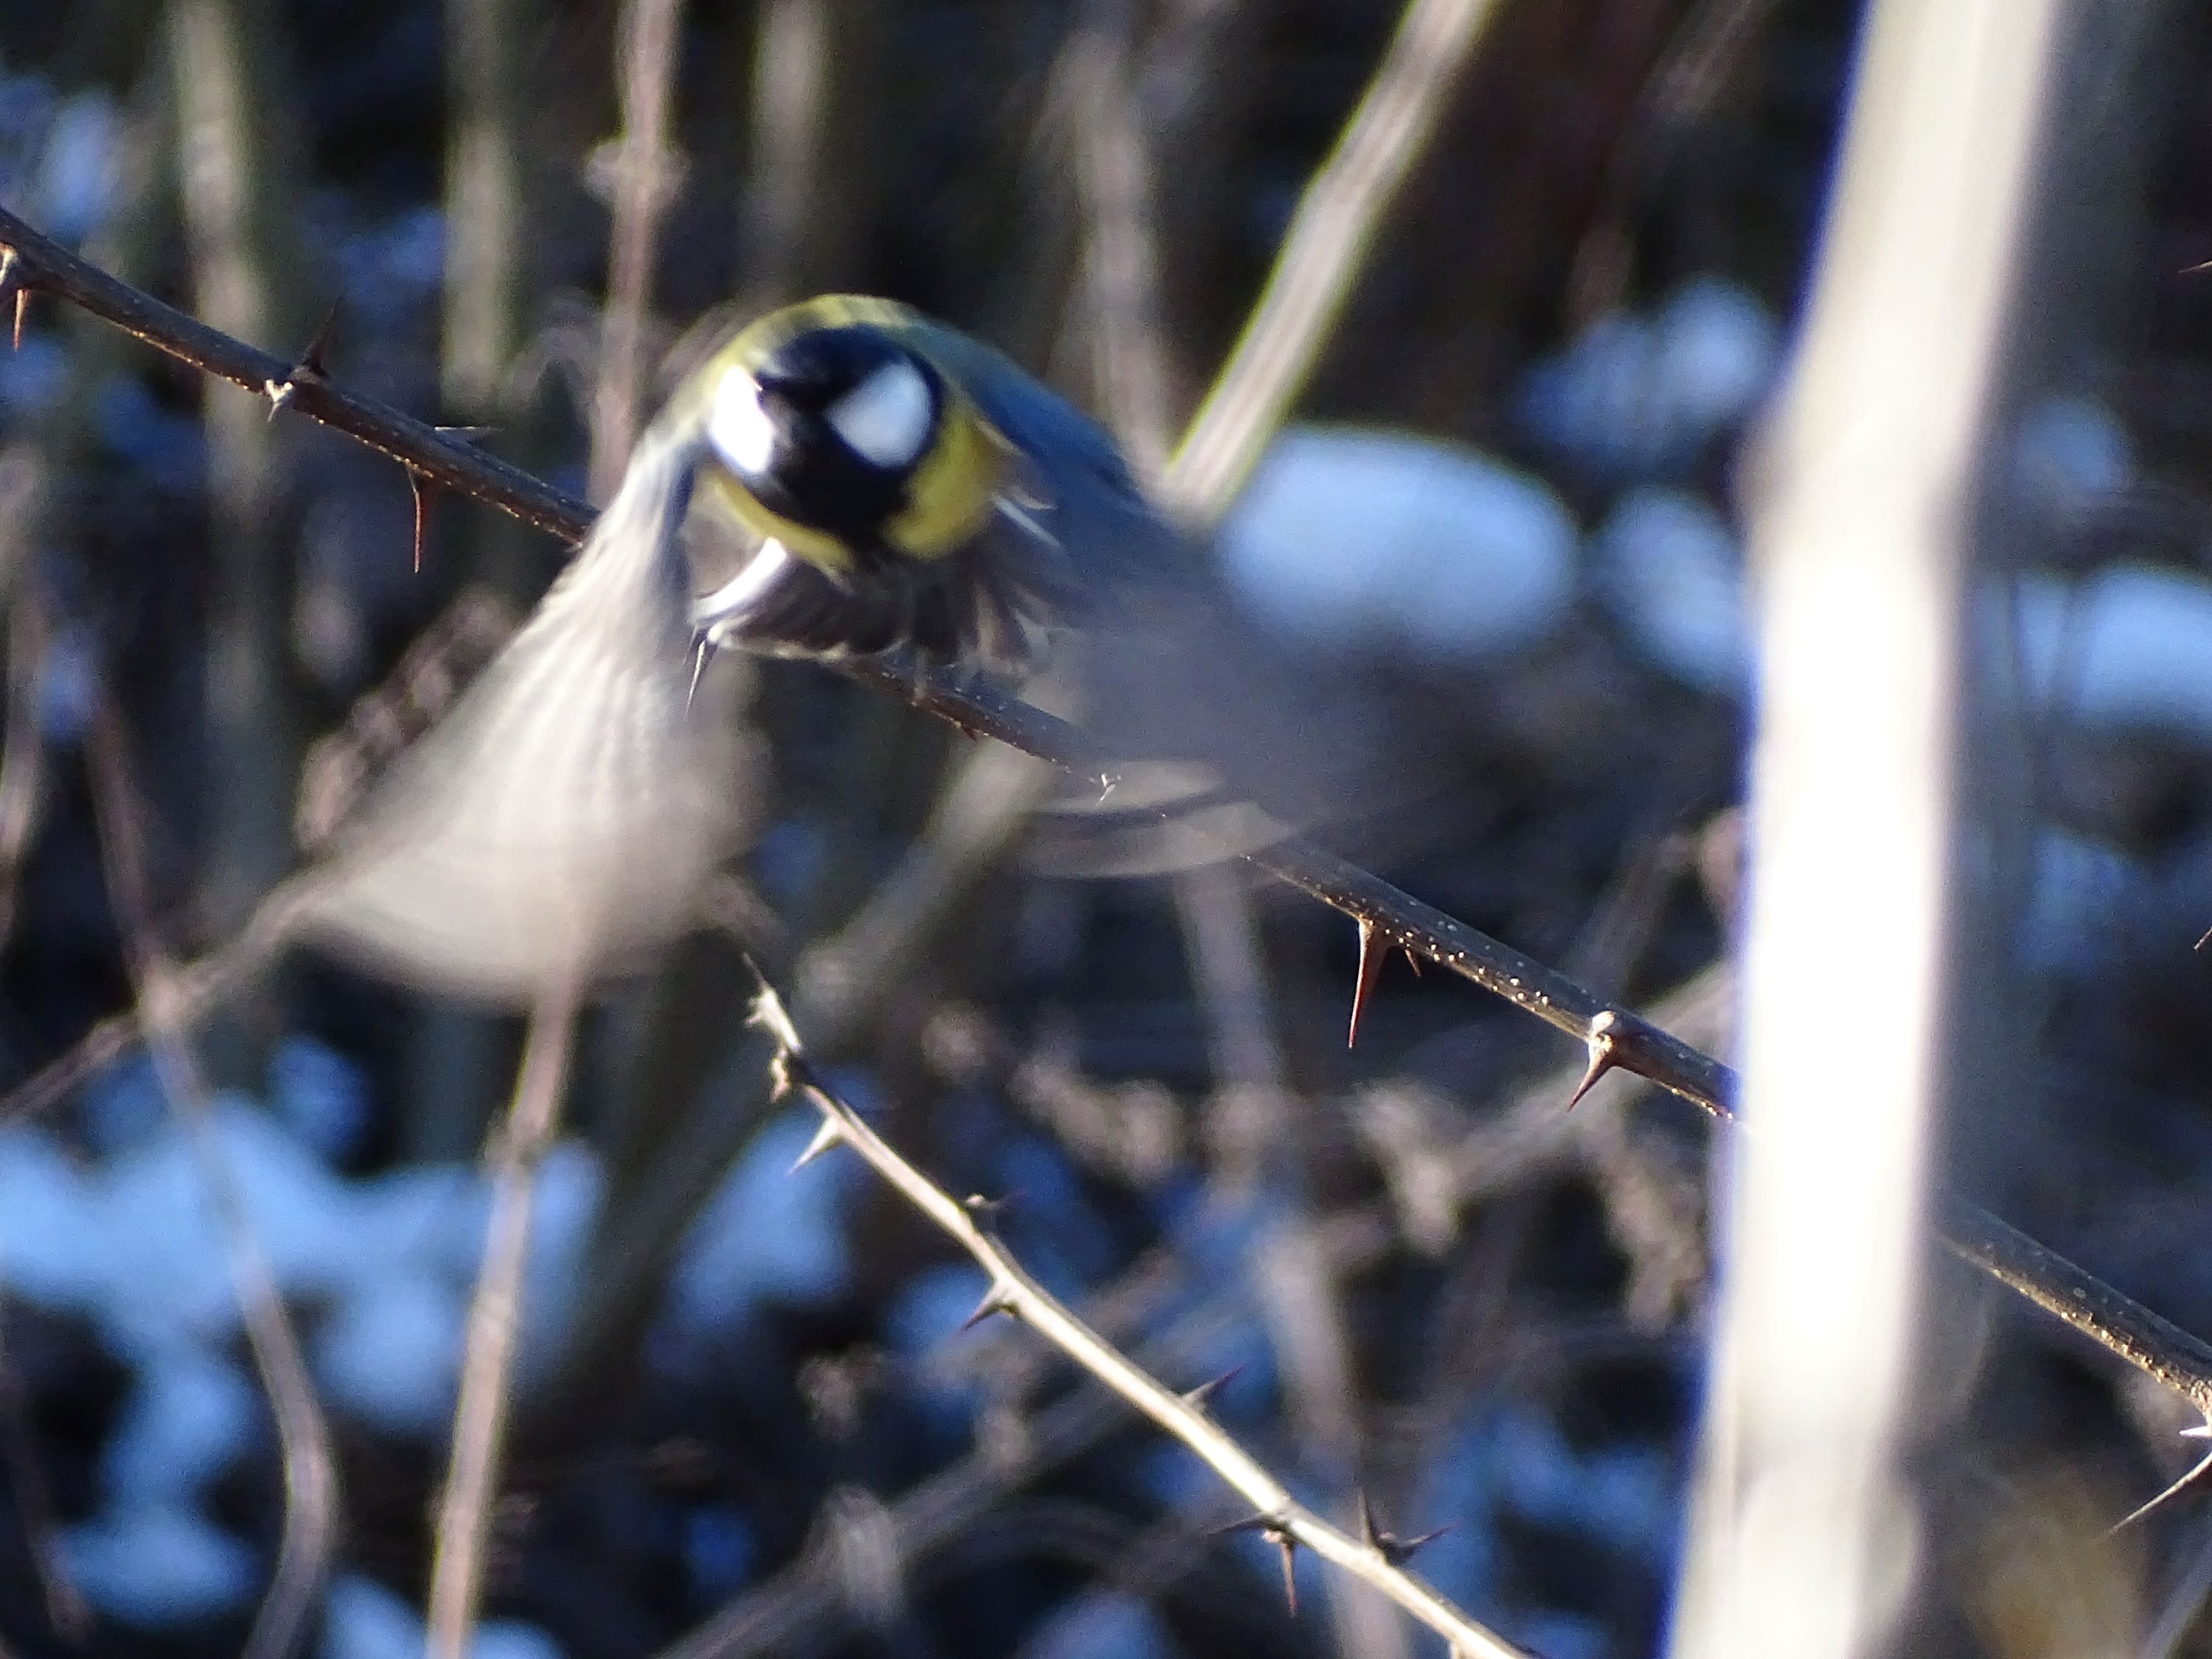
point(1503, 530)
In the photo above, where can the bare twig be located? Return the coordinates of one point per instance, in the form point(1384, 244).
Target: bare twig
point(237, 177)
point(1012, 1291)
point(785, 194)
point(193, 990)
point(1324, 250)
point(303, 1437)
point(486, 234)
point(1616, 1038)
point(644, 184)
point(23, 747)
point(494, 1324)
point(1122, 255)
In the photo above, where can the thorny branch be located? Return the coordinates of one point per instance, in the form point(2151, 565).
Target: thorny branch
point(1280, 1518)
point(1616, 1038)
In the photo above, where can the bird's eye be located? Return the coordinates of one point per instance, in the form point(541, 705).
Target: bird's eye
point(886, 419)
point(740, 427)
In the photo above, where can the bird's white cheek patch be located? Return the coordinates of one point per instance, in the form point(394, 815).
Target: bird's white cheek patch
point(738, 428)
point(885, 419)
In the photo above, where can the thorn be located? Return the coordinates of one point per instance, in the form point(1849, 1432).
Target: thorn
point(2207, 936)
point(307, 368)
point(1601, 1042)
point(2196, 269)
point(8, 260)
point(1107, 783)
point(995, 1301)
point(310, 364)
point(1271, 1528)
point(1200, 1398)
point(1370, 969)
point(467, 435)
point(1371, 1534)
point(1392, 1549)
point(703, 648)
point(2187, 1481)
point(828, 1133)
point(419, 487)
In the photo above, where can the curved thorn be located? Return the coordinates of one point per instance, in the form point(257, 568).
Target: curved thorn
point(1370, 969)
point(1289, 1546)
point(419, 487)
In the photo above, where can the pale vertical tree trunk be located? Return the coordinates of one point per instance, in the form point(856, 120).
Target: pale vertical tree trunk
point(1805, 1537)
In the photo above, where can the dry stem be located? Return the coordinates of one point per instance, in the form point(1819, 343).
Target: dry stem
point(303, 1437)
point(494, 1324)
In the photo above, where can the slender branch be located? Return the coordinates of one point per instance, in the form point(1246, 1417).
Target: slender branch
point(1278, 1515)
point(22, 745)
point(494, 1323)
point(310, 1465)
point(1616, 1039)
point(644, 184)
point(1324, 250)
point(44, 266)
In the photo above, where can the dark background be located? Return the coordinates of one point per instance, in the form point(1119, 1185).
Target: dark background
point(1517, 1358)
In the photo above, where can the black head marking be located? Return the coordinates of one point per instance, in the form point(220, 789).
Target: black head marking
point(850, 413)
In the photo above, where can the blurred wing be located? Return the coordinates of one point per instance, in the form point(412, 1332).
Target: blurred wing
point(556, 825)
point(1231, 740)
point(991, 602)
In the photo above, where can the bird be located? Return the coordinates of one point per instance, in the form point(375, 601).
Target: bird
point(896, 485)
point(903, 486)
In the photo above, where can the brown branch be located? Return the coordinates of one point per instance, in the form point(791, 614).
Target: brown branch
point(1627, 1042)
